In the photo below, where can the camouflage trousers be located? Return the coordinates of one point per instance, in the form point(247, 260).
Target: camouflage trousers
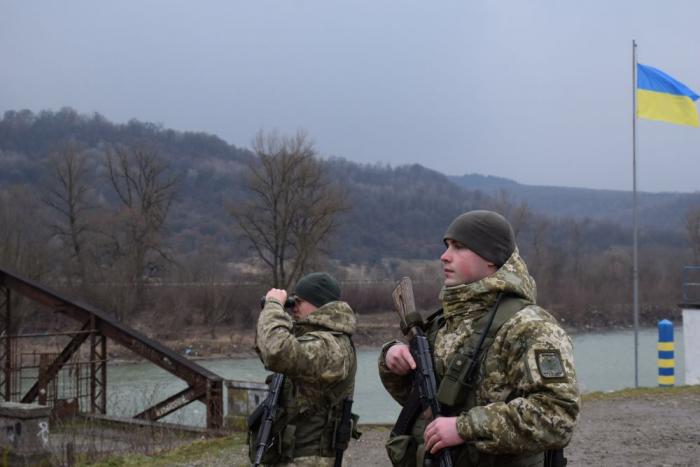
point(311, 461)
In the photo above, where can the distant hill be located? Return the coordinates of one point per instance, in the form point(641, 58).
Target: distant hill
point(398, 212)
point(656, 210)
point(576, 242)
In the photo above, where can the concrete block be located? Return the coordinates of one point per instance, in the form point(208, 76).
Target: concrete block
point(243, 397)
point(24, 431)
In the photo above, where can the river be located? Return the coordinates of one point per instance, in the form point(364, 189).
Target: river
point(604, 362)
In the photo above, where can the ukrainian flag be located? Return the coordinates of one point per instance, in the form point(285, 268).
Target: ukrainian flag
point(660, 97)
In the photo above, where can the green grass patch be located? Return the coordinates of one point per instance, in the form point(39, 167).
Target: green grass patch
point(642, 393)
point(195, 451)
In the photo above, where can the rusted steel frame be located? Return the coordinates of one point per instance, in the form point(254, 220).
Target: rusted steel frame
point(93, 368)
point(108, 326)
point(6, 343)
point(111, 328)
point(103, 370)
point(173, 403)
point(56, 365)
point(214, 403)
point(42, 382)
point(98, 374)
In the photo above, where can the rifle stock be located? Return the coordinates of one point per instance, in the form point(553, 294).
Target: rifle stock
point(424, 381)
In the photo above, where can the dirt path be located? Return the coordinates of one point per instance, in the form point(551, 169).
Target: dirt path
point(649, 431)
point(646, 431)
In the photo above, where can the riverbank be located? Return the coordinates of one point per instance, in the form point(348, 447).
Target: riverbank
point(633, 427)
point(200, 343)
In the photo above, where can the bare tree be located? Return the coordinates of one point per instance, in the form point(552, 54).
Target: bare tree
point(67, 194)
point(692, 229)
point(146, 191)
point(295, 206)
point(576, 247)
point(23, 246)
point(539, 230)
point(519, 215)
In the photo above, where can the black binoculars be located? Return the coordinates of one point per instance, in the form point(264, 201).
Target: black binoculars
point(287, 304)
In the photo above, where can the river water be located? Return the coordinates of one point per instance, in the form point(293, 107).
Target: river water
point(604, 362)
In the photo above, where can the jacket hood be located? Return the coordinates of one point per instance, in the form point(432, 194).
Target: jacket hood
point(335, 316)
point(512, 278)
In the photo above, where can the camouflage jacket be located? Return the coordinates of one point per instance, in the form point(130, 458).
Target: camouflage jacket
point(311, 356)
point(520, 407)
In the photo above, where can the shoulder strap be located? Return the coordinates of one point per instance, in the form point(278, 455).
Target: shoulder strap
point(433, 325)
point(509, 307)
point(456, 388)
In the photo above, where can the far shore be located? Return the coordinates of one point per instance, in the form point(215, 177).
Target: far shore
point(240, 352)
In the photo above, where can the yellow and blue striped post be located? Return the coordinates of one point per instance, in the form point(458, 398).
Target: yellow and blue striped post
point(667, 365)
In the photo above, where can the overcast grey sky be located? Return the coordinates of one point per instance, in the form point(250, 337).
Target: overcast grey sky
point(537, 91)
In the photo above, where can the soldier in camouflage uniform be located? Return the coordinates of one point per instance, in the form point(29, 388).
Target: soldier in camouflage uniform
point(317, 357)
point(524, 398)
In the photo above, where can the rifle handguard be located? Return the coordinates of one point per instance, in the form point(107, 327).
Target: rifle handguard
point(412, 319)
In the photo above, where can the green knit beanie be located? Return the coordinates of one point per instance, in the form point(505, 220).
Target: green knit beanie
point(317, 288)
point(486, 233)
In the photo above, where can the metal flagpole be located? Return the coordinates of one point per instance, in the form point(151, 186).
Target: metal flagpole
point(635, 278)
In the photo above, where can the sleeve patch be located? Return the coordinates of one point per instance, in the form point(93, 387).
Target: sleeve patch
point(550, 365)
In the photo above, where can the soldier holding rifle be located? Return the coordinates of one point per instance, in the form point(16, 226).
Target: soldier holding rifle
point(316, 356)
point(506, 383)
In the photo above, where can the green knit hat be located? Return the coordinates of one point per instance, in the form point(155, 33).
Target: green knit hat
point(317, 288)
point(486, 233)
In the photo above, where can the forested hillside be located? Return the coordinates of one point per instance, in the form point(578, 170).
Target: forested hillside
point(656, 210)
point(577, 242)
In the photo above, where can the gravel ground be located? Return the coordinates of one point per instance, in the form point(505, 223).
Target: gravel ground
point(645, 431)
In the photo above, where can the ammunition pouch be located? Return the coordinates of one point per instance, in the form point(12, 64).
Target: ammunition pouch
point(407, 450)
point(342, 434)
point(402, 451)
point(454, 386)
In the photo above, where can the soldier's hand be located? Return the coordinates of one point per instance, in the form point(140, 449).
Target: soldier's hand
point(279, 294)
point(441, 433)
point(399, 359)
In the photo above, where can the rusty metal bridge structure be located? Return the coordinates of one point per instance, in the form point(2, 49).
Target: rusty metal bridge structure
point(95, 327)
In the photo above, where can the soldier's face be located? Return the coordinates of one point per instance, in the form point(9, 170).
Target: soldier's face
point(463, 266)
point(302, 308)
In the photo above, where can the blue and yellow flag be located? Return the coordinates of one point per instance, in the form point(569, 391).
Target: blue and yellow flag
point(660, 97)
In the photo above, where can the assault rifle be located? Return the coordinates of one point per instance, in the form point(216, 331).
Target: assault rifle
point(342, 437)
point(424, 382)
point(269, 414)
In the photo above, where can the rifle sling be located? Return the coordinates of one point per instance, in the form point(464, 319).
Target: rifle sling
point(412, 408)
point(409, 413)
